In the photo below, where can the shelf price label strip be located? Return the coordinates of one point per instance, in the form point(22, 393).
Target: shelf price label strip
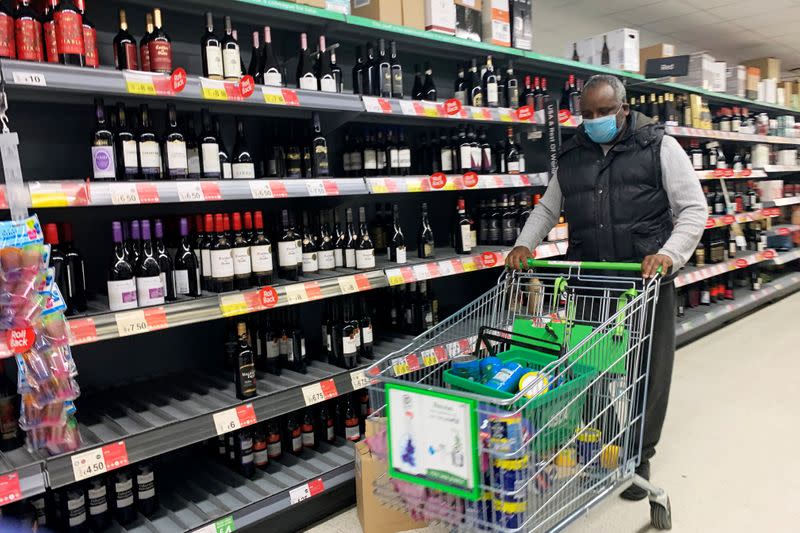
point(360, 380)
point(431, 356)
point(306, 491)
point(234, 419)
point(10, 490)
point(319, 392)
point(141, 321)
point(223, 525)
point(99, 460)
point(280, 96)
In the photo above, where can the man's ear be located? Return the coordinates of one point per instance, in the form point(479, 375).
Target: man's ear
point(626, 109)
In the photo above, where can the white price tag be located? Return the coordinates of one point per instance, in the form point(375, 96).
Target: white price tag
point(260, 190)
point(299, 494)
point(226, 421)
point(295, 294)
point(446, 268)
point(131, 323)
point(313, 394)
point(123, 193)
point(421, 272)
point(189, 191)
point(359, 379)
point(348, 285)
point(30, 78)
point(88, 464)
point(453, 349)
point(315, 188)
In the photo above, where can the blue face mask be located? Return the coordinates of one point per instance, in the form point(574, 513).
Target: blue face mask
point(602, 130)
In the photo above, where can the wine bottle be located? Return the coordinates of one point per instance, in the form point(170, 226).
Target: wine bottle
point(346, 332)
point(326, 256)
point(271, 68)
point(397, 242)
point(260, 254)
point(69, 34)
point(224, 157)
point(365, 251)
point(305, 77)
point(125, 46)
point(221, 258)
point(205, 255)
point(416, 89)
point(528, 93)
point(159, 47)
point(396, 70)
point(339, 238)
point(256, 61)
point(310, 261)
point(403, 155)
point(352, 431)
point(287, 250)
point(383, 72)
point(460, 86)
point(489, 84)
point(74, 290)
point(474, 149)
point(97, 504)
point(512, 156)
point(512, 86)
point(187, 268)
point(476, 92)
point(368, 75)
point(149, 150)
point(48, 29)
point(176, 160)
point(322, 69)
point(231, 55)
point(164, 263)
point(121, 283)
point(209, 148)
point(508, 233)
point(319, 150)
point(144, 49)
point(486, 159)
point(428, 87)
point(463, 236)
point(425, 241)
point(146, 497)
point(352, 240)
point(245, 375)
point(211, 51)
point(193, 151)
point(240, 250)
point(134, 243)
point(91, 55)
point(358, 73)
point(242, 166)
point(336, 72)
point(149, 287)
point(28, 32)
point(104, 165)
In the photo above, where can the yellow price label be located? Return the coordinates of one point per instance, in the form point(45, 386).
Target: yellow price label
point(470, 266)
point(274, 99)
point(431, 111)
point(49, 199)
point(505, 116)
point(380, 189)
point(233, 305)
point(401, 368)
point(429, 360)
point(214, 93)
point(414, 185)
point(477, 113)
point(396, 280)
point(141, 87)
point(449, 186)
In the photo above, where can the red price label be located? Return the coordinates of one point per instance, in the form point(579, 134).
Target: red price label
point(148, 193)
point(278, 189)
point(268, 297)
point(746, 173)
point(82, 331)
point(210, 191)
point(247, 86)
point(313, 291)
point(363, 282)
point(433, 270)
point(412, 360)
point(441, 354)
point(457, 265)
point(768, 254)
point(564, 115)
point(710, 223)
point(525, 113)
point(156, 317)
point(178, 80)
point(329, 389)
point(452, 106)
point(719, 173)
point(740, 263)
point(438, 180)
point(728, 220)
point(315, 487)
point(115, 455)
point(728, 172)
point(771, 211)
point(408, 274)
point(470, 180)
point(463, 345)
point(20, 340)
point(489, 259)
point(246, 414)
point(782, 231)
point(10, 490)
point(331, 188)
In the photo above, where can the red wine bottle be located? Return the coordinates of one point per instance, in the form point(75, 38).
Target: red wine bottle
point(260, 254)
point(242, 266)
point(305, 74)
point(205, 254)
point(69, 34)
point(92, 57)
point(231, 56)
point(144, 50)
point(8, 45)
point(159, 47)
point(149, 287)
point(187, 267)
point(254, 69)
point(164, 263)
point(270, 67)
point(49, 31)
point(125, 46)
point(221, 258)
point(121, 282)
point(211, 51)
point(28, 32)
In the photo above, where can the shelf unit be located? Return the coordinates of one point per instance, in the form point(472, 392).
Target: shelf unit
point(782, 202)
point(691, 275)
point(781, 258)
point(719, 221)
point(729, 136)
point(730, 174)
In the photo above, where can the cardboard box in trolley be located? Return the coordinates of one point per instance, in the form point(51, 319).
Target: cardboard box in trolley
point(440, 16)
point(468, 19)
point(496, 22)
point(623, 49)
point(390, 11)
point(522, 24)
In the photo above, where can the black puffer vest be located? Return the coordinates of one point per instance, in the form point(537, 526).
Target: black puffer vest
point(615, 204)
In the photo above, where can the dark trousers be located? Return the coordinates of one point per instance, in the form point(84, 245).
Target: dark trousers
point(662, 358)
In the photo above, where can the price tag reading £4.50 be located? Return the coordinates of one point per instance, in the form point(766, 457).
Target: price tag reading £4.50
point(99, 460)
point(234, 419)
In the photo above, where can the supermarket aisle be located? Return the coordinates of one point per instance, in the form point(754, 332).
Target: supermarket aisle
point(730, 440)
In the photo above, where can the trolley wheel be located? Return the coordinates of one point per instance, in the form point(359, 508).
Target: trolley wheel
point(661, 515)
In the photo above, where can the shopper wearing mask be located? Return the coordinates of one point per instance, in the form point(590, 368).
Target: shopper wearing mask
point(630, 194)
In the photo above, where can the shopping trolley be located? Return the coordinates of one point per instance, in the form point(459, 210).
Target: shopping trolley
point(474, 456)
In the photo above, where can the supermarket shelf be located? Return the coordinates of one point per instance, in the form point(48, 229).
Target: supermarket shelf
point(720, 221)
point(403, 184)
point(701, 320)
point(777, 169)
point(28, 469)
point(690, 275)
point(438, 110)
point(730, 174)
point(781, 202)
point(785, 257)
point(680, 131)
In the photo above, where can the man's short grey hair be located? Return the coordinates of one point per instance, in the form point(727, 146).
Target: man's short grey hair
point(607, 79)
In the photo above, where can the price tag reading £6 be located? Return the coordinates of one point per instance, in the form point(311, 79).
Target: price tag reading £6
point(234, 419)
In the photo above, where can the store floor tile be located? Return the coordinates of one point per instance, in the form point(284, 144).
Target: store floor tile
point(727, 455)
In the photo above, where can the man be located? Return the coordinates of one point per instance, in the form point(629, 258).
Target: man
point(630, 194)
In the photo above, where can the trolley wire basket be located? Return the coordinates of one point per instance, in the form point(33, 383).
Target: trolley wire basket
point(548, 450)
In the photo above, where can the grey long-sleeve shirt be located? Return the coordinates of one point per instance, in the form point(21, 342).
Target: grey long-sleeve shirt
point(686, 200)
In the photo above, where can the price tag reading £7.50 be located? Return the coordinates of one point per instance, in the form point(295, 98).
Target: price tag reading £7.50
point(234, 419)
point(348, 284)
point(99, 460)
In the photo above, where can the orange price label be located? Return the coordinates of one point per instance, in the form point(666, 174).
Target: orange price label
point(719, 173)
point(768, 254)
point(710, 223)
point(728, 220)
point(452, 106)
point(148, 193)
point(82, 331)
point(178, 80)
point(210, 191)
point(525, 113)
point(362, 280)
point(412, 360)
point(564, 115)
point(278, 189)
point(156, 317)
point(746, 173)
point(331, 188)
point(470, 180)
point(740, 263)
point(115, 455)
point(782, 231)
point(438, 180)
point(10, 490)
point(408, 274)
point(489, 259)
point(313, 290)
point(268, 297)
point(20, 340)
point(246, 415)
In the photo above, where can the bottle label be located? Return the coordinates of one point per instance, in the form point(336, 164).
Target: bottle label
point(308, 438)
point(211, 163)
point(273, 77)
point(486, 159)
point(69, 32)
point(466, 237)
point(338, 257)
point(90, 46)
point(7, 39)
point(397, 82)
point(327, 84)
point(205, 262)
point(474, 235)
point(145, 486)
point(221, 264)
point(241, 261)
point(149, 156)
point(326, 260)
point(394, 158)
point(381, 159)
point(122, 295)
point(124, 492)
point(182, 282)
point(51, 48)
point(131, 59)
point(273, 349)
point(405, 158)
point(287, 254)
point(477, 156)
point(227, 170)
point(400, 255)
point(349, 345)
point(352, 433)
point(356, 161)
point(447, 160)
point(347, 162)
point(150, 290)
point(160, 56)
point(466, 157)
point(274, 449)
point(329, 433)
point(310, 263)
point(261, 457)
point(214, 61)
point(144, 51)
point(509, 230)
point(309, 82)
point(350, 258)
point(177, 162)
point(103, 165)
point(366, 332)
point(365, 259)
point(261, 258)
point(299, 244)
point(232, 63)
point(29, 42)
point(491, 93)
point(76, 510)
point(697, 161)
point(370, 160)
point(297, 443)
point(513, 167)
point(130, 155)
point(243, 171)
point(97, 500)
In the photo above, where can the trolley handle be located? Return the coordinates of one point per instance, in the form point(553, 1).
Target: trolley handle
point(587, 265)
